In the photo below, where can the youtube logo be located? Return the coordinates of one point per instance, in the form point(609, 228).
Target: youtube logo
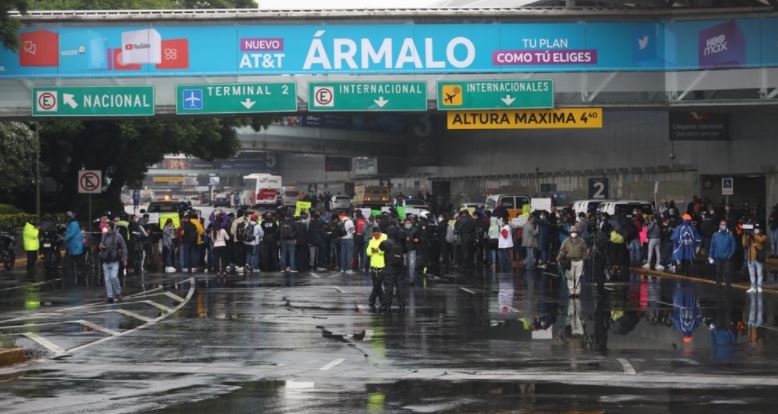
point(175, 54)
point(39, 48)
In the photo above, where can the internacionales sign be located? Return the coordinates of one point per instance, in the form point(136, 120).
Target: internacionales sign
point(543, 119)
point(93, 101)
point(498, 94)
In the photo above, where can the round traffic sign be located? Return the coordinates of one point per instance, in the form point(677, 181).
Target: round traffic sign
point(47, 101)
point(89, 182)
point(323, 96)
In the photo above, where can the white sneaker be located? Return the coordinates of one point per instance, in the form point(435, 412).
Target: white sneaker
point(751, 290)
point(759, 290)
point(194, 270)
point(348, 272)
point(185, 270)
point(660, 268)
point(170, 269)
point(671, 269)
point(646, 266)
point(292, 271)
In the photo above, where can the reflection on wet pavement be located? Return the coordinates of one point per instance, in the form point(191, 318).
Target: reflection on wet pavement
point(489, 342)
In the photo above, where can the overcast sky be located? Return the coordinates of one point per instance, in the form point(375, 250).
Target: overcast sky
point(384, 4)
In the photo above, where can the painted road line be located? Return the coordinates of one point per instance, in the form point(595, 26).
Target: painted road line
point(97, 327)
point(467, 290)
point(51, 346)
point(159, 306)
point(299, 385)
point(143, 293)
point(628, 368)
point(36, 316)
point(174, 296)
point(131, 314)
point(332, 364)
point(315, 275)
point(338, 289)
point(28, 285)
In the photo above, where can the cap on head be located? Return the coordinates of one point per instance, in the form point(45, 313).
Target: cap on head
point(376, 229)
point(686, 217)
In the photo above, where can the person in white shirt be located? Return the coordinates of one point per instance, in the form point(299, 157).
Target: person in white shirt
point(505, 246)
point(346, 232)
point(219, 236)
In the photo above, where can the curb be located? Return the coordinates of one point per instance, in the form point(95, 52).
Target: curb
point(11, 356)
point(648, 272)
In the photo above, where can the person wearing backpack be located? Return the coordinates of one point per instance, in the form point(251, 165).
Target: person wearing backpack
point(359, 239)
point(188, 245)
point(345, 231)
point(252, 236)
point(288, 240)
point(239, 248)
point(269, 244)
point(113, 250)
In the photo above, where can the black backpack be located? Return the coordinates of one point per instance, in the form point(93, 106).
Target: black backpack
point(248, 233)
point(240, 233)
point(340, 229)
point(393, 252)
point(287, 231)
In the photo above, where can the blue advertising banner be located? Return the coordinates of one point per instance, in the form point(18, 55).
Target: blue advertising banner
point(252, 49)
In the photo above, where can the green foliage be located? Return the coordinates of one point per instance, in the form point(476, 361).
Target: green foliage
point(8, 26)
point(18, 148)
point(9, 209)
point(17, 220)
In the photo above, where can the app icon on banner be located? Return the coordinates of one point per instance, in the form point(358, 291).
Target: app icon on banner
point(82, 49)
point(141, 47)
point(722, 45)
point(175, 54)
point(116, 62)
point(653, 46)
point(39, 48)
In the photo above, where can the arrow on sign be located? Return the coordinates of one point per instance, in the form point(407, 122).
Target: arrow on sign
point(381, 101)
point(248, 103)
point(508, 100)
point(69, 101)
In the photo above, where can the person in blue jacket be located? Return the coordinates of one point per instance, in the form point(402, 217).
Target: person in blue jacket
point(722, 248)
point(686, 242)
point(74, 244)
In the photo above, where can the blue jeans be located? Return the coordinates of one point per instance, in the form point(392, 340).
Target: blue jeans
point(288, 247)
point(410, 265)
point(188, 256)
point(634, 251)
point(529, 261)
point(167, 253)
point(505, 260)
point(774, 241)
point(756, 271)
point(111, 275)
point(346, 254)
point(491, 257)
point(252, 256)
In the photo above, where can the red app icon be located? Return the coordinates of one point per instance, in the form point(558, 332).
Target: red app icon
point(39, 48)
point(115, 57)
point(175, 54)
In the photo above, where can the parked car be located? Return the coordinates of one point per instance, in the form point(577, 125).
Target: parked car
point(221, 201)
point(513, 203)
point(625, 207)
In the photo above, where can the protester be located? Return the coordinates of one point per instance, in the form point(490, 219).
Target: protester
point(505, 246)
point(345, 232)
point(573, 249)
point(720, 252)
point(113, 250)
point(754, 243)
point(686, 242)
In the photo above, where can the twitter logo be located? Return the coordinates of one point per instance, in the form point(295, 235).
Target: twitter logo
point(643, 42)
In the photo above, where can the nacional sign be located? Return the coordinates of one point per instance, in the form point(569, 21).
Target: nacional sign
point(89, 101)
point(560, 118)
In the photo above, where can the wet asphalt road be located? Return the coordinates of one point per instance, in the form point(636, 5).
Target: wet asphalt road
point(300, 343)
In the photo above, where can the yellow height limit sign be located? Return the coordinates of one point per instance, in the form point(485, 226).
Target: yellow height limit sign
point(525, 119)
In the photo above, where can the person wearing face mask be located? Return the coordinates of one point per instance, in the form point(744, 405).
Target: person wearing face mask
point(377, 267)
point(411, 245)
point(573, 249)
point(754, 243)
point(394, 274)
point(654, 234)
point(720, 252)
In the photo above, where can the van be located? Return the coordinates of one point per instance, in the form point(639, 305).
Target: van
point(625, 207)
point(514, 203)
point(587, 206)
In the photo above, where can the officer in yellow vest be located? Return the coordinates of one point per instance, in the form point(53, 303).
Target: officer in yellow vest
point(31, 245)
point(377, 265)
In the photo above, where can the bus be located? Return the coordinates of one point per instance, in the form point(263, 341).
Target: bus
point(261, 190)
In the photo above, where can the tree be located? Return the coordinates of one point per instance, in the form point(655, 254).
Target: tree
point(9, 27)
point(18, 148)
point(128, 147)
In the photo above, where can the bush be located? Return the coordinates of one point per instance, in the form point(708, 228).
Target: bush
point(9, 209)
point(17, 220)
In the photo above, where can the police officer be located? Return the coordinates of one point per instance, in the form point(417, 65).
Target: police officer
point(394, 273)
point(377, 266)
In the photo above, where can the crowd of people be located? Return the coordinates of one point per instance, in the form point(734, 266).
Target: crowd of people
point(396, 250)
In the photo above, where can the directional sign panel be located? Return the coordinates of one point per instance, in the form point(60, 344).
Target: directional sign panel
point(93, 101)
point(89, 181)
point(497, 94)
point(367, 96)
point(235, 98)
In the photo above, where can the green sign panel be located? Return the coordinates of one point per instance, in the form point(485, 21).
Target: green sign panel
point(367, 96)
point(93, 101)
point(236, 98)
point(495, 94)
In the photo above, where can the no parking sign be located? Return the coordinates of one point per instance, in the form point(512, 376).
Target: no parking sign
point(89, 181)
